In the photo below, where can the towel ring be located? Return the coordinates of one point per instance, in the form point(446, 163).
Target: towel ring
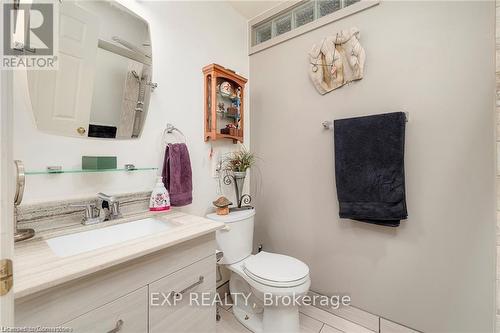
point(171, 129)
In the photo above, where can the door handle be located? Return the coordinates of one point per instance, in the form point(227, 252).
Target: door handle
point(81, 130)
point(118, 327)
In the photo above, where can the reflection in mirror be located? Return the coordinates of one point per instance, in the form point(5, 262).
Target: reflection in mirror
point(103, 84)
point(117, 108)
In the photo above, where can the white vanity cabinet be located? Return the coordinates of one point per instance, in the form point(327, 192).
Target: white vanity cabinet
point(117, 299)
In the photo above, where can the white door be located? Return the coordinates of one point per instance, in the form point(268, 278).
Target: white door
point(62, 99)
point(6, 194)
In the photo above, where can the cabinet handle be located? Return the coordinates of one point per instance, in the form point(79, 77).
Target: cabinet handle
point(118, 327)
point(200, 281)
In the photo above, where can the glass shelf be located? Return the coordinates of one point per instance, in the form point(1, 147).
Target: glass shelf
point(46, 172)
point(228, 116)
point(232, 98)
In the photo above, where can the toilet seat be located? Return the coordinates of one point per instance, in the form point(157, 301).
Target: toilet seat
point(276, 270)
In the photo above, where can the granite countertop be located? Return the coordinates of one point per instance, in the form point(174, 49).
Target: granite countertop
point(37, 268)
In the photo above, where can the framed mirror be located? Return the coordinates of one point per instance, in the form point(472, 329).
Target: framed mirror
point(103, 83)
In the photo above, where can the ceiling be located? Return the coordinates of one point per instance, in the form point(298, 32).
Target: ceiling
point(249, 9)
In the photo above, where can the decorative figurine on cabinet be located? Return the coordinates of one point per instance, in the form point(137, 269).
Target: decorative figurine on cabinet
point(226, 89)
point(222, 205)
point(237, 102)
point(221, 108)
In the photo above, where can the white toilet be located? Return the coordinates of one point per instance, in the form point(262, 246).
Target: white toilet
point(263, 277)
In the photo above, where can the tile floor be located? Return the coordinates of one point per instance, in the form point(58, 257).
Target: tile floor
point(312, 320)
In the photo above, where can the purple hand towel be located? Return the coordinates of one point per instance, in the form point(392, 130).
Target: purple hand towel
point(177, 174)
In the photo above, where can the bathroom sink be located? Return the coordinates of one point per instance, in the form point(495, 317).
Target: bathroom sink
point(68, 245)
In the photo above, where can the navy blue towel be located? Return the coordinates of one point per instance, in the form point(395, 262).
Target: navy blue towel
point(369, 168)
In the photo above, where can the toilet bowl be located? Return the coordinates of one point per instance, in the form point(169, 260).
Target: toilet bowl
point(266, 287)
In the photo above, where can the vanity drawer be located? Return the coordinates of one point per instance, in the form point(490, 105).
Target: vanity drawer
point(127, 314)
point(184, 317)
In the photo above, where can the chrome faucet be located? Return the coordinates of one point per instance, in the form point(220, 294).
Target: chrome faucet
point(110, 205)
point(107, 208)
point(91, 214)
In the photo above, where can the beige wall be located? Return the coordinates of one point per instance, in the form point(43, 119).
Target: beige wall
point(497, 69)
point(435, 60)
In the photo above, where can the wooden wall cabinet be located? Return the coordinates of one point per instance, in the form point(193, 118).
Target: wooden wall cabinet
point(224, 101)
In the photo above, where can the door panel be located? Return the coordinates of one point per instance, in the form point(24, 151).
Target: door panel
point(66, 95)
point(61, 99)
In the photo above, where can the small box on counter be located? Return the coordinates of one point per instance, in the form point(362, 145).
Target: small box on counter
point(98, 162)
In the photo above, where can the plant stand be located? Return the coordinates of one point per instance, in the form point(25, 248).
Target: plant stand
point(238, 179)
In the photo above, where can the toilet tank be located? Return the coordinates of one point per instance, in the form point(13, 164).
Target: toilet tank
point(235, 240)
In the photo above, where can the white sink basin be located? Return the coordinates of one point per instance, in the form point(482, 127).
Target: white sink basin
point(68, 245)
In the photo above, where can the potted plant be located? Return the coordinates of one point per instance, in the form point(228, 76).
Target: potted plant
point(240, 161)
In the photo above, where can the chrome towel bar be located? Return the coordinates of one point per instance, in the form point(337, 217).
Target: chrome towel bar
point(328, 124)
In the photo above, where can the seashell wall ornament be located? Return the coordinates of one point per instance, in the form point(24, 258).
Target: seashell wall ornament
point(338, 60)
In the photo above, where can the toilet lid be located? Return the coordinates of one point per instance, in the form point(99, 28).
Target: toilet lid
point(276, 269)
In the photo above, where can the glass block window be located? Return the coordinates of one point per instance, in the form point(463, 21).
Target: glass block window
point(304, 14)
point(263, 33)
point(326, 7)
point(283, 24)
point(296, 16)
point(349, 2)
